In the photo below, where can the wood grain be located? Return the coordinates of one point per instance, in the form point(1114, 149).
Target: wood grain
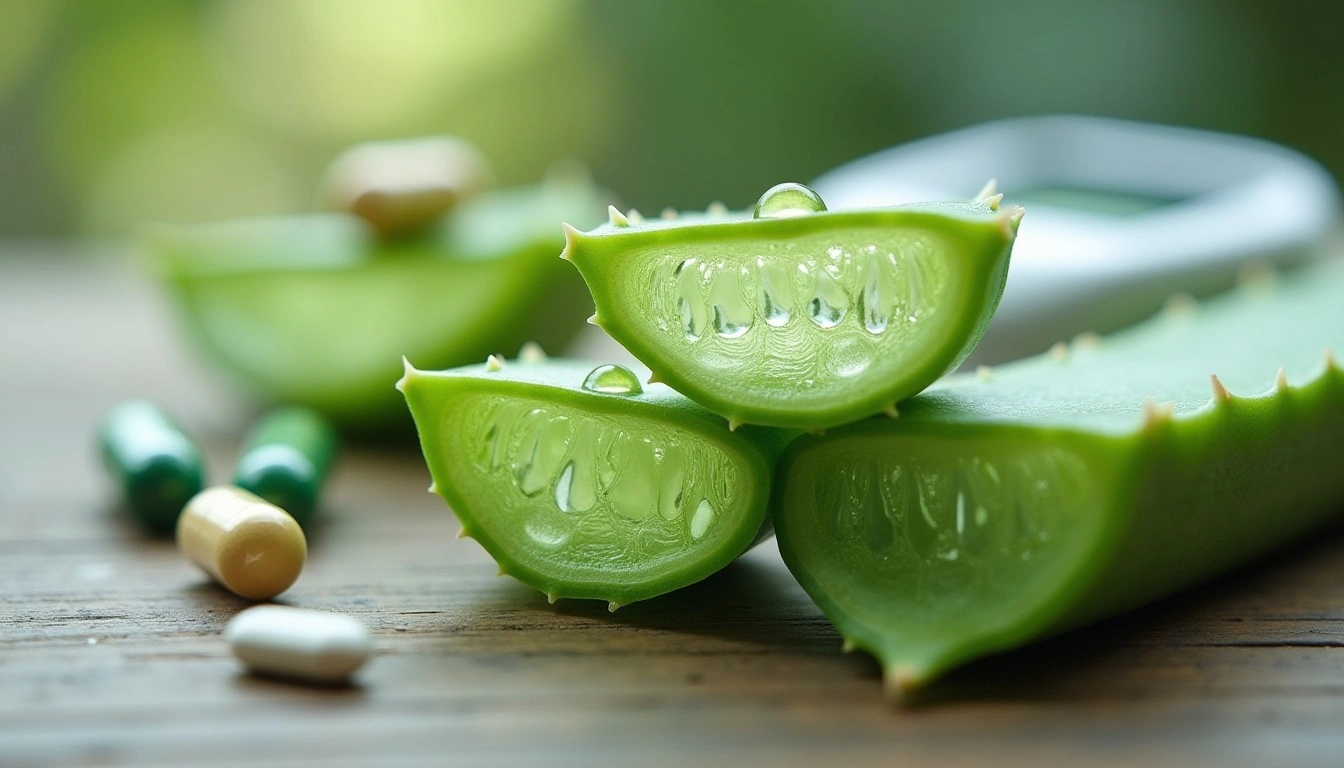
point(110, 647)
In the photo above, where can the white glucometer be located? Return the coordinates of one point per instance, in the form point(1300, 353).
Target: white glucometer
point(1120, 215)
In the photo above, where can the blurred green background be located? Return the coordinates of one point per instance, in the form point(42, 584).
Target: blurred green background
point(114, 112)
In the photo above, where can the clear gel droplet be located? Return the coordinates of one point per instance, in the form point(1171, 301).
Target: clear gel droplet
point(612, 380)
point(575, 490)
point(732, 317)
point(772, 282)
point(701, 520)
point(877, 291)
point(829, 303)
point(787, 200)
point(690, 302)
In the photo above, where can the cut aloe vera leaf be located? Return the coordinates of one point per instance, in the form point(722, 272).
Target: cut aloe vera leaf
point(799, 319)
point(582, 483)
point(1043, 495)
point(316, 310)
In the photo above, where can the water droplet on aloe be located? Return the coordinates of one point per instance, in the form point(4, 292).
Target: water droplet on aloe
point(612, 380)
point(787, 200)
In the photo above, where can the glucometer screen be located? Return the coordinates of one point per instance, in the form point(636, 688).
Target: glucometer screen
point(1092, 200)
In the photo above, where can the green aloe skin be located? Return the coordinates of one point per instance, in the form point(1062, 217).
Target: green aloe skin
point(315, 309)
point(582, 483)
point(1046, 494)
point(798, 317)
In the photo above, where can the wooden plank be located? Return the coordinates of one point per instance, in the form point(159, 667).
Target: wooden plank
point(110, 652)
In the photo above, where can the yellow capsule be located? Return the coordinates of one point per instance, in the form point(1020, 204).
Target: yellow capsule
point(253, 548)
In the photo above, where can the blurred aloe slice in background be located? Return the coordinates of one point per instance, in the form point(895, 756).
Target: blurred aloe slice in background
point(318, 309)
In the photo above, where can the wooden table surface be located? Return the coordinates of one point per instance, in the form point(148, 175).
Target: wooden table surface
point(111, 654)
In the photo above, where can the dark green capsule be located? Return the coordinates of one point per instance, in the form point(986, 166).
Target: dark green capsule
point(285, 460)
point(154, 464)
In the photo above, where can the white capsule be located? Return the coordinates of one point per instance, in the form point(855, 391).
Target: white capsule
point(315, 646)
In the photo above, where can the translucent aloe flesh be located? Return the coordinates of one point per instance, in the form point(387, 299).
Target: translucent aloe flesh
point(1007, 506)
point(806, 320)
point(316, 310)
point(581, 483)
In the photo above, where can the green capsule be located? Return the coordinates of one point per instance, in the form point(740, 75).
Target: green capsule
point(285, 460)
point(1014, 504)
point(581, 483)
point(797, 316)
point(154, 464)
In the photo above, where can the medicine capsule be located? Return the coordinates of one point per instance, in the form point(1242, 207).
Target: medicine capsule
point(297, 643)
point(156, 467)
point(285, 460)
point(253, 548)
point(400, 187)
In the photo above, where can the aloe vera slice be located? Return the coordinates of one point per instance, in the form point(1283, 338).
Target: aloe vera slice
point(582, 483)
point(317, 310)
point(799, 317)
point(1018, 503)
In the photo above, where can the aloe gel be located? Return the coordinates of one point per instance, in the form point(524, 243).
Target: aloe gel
point(795, 316)
point(582, 482)
point(1018, 503)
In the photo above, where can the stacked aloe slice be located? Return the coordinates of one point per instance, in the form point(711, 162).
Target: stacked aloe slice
point(789, 347)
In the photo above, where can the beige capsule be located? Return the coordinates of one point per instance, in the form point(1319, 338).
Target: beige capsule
point(251, 547)
point(402, 186)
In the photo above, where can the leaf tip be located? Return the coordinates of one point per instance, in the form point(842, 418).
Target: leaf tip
point(572, 236)
point(531, 352)
point(1156, 414)
point(1256, 276)
point(991, 189)
point(1086, 341)
point(1220, 393)
point(899, 682)
point(1179, 306)
point(408, 372)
